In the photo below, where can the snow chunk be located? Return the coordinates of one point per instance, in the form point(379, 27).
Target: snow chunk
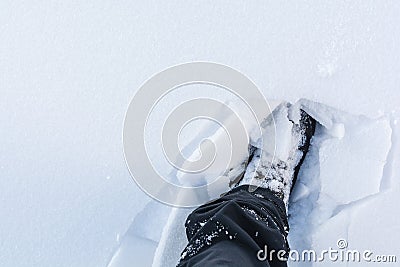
point(367, 145)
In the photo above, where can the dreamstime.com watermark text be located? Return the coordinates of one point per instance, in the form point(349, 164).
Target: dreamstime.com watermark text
point(340, 254)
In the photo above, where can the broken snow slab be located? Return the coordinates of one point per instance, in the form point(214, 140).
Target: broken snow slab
point(346, 164)
point(351, 168)
point(354, 153)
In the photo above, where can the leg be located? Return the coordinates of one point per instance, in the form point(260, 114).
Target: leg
point(236, 229)
point(231, 230)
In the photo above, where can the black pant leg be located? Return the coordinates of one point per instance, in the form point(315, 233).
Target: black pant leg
point(231, 230)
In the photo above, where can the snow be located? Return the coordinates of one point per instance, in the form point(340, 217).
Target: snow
point(342, 184)
point(350, 173)
point(342, 175)
point(69, 69)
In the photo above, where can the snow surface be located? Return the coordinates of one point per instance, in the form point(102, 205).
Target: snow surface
point(69, 69)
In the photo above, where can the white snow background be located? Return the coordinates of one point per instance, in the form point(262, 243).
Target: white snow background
point(69, 69)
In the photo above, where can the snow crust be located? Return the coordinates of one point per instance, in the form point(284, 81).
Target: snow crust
point(69, 69)
point(342, 175)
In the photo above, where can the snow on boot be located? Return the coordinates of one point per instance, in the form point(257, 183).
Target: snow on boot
point(276, 166)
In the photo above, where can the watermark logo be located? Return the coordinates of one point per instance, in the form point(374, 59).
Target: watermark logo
point(339, 254)
point(342, 243)
point(145, 174)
